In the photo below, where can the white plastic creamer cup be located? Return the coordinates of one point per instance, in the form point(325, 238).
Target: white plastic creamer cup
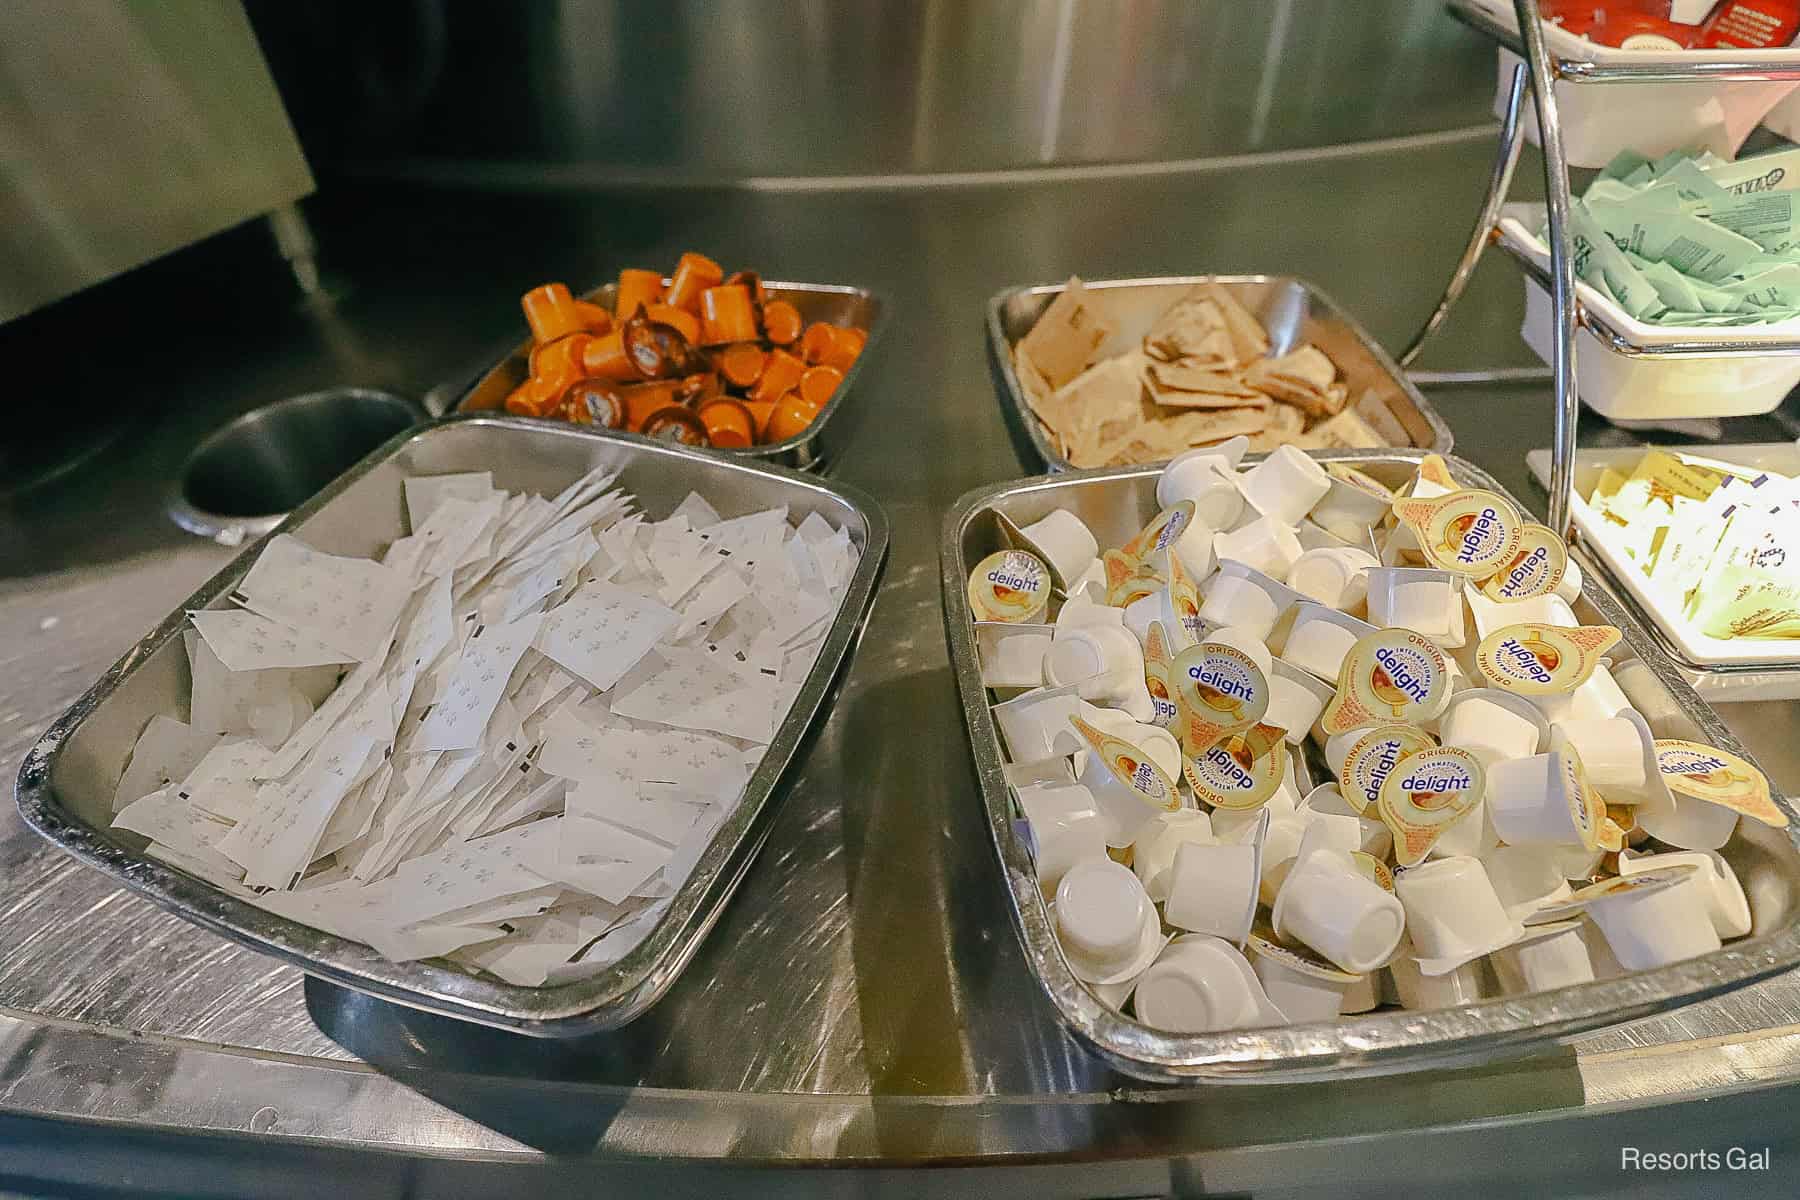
point(1335, 577)
point(1201, 984)
point(1727, 905)
point(1364, 995)
point(1265, 544)
point(1064, 542)
point(1655, 926)
point(1348, 512)
point(1105, 922)
point(1039, 771)
point(1012, 655)
point(1296, 698)
point(1206, 477)
point(1471, 837)
point(1569, 590)
point(1066, 827)
point(1417, 598)
point(1683, 821)
point(1493, 725)
point(1599, 697)
point(1082, 609)
point(1124, 812)
point(1104, 663)
point(1547, 957)
point(1212, 889)
point(1301, 995)
point(1312, 537)
point(1617, 752)
point(1327, 801)
point(1330, 906)
point(1153, 854)
point(1320, 639)
point(1491, 615)
point(1157, 606)
point(1452, 913)
point(1417, 991)
point(1285, 485)
point(1280, 850)
point(1036, 725)
point(1240, 595)
point(1526, 878)
point(1092, 583)
point(1530, 803)
point(1195, 550)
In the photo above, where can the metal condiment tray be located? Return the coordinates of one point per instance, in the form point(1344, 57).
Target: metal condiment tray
point(66, 784)
point(1115, 504)
point(812, 448)
point(1290, 308)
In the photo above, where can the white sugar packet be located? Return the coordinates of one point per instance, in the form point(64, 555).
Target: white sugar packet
point(602, 631)
point(248, 641)
point(457, 531)
point(163, 816)
point(166, 751)
point(350, 604)
point(711, 600)
point(274, 842)
point(425, 492)
point(223, 701)
point(695, 510)
point(225, 781)
point(602, 859)
point(661, 812)
point(696, 690)
point(461, 711)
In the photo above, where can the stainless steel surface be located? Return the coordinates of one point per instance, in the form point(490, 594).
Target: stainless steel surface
point(1567, 410)
point(862, 999)
point(1115, 504)
point(128, 131)
point(66, 783)
point(555, 93)
point(1719, 66)
point(1506, 159)
point(1291, 309)
point(1723, 345)
point(246, 477)
point(810, 449)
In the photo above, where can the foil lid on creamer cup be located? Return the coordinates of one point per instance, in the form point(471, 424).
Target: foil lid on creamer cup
point(1152, 544)
point(1241, 770)
point(1435, 471)
point(1366, 484)
point(1537, 567)
point(1716, 776)
point(1533, 659)
point(1263, 941)
point(1373, 758)
point(1586, 809)
point(1010, 585)
point(1184, 598)
point(1618, 885)
point(1391, 675)
point(1372, 869)
point(1159, 678)
point(1126, 580)
point(1220, 690)
point(1131, 766)
point(1425, 795)
point(1473, 533)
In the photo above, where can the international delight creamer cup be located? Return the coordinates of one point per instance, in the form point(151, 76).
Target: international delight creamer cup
point(1425, 794)
point(1649, 920)
point(1141, 788)
point(1391, 675)
point(1473, 533)
point(1011, 585)
point(1220, 690)
point(1372, 757)
point(1698, 793)
point(1533, 659)
point(1537, 568)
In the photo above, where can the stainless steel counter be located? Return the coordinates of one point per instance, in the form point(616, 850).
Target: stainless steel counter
point(862, 1001)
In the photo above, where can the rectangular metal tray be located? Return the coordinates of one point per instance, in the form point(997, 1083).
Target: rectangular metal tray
point(809, 450)
point(1724, 670)
point(1292, 310)
point(1116, 503)
point(66, 784)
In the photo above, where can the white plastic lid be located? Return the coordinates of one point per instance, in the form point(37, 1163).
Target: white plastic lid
point(1072, 660)
point(1100, 911)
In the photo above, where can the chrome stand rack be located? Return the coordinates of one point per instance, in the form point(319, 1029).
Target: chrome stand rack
point(1542, 71)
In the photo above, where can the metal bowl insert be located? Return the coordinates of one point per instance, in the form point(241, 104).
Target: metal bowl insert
point(250, 473)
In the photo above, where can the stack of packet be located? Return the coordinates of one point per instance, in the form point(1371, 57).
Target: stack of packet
point(509, 741)
point(1715, 541)
point(1690, 239)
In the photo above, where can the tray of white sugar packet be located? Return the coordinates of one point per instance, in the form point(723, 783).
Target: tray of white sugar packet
point(491, 727)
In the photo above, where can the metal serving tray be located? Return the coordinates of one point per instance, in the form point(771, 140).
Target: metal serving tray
point(1292, 310)
point(66, 784)
point(1115, 504)
point(808, 450)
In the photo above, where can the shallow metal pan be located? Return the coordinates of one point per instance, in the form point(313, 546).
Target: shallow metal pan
point(1115, 504)
point(1292, 310)
point(809, 450)
point(66, 784)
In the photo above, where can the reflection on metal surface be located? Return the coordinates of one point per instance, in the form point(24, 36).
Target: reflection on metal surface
point(812, 87)
point(128, 131)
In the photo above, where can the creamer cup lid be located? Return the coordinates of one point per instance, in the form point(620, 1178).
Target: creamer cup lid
point(1717, 776)
point(1132, 766)
point(1585, 808)
point(1374, 756)
point(1372, 869)
point(1126, 579)
point(1264, 943)
point(1184, 598)
point(1159, 679)
point(1351, 477)
point(1427, 793)
point(1018, 539)
point(1240, 770)
point(1390, 675)
point(1011, 586)
point(1536, 569)
point(1472, 533)
point(1163, 531)
point(1220, 690)
point(1534, 659)
point(1616, 887)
